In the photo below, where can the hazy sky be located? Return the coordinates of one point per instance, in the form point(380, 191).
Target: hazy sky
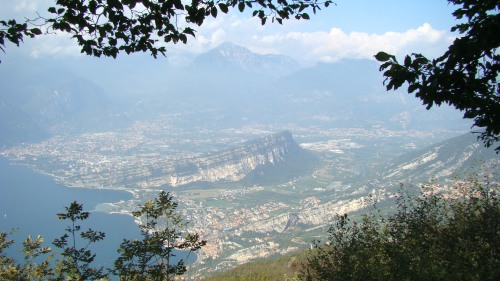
point(349, 29)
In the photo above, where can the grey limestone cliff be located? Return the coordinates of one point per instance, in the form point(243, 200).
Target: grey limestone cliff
point(275, 156)
point(272, 159)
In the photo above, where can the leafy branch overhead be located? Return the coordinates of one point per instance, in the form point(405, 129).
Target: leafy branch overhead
point(108, 27)
point(465, 76)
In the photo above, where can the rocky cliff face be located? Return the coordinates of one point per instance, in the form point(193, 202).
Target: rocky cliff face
point(450, 157)
point(272, 159)
point(320, 215)
point(254, 162)
point(443, 160)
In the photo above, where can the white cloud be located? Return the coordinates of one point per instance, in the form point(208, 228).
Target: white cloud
point(24, 8)
point(308, 47)
point(25, 5)
point(311, 47)
point(58, 44)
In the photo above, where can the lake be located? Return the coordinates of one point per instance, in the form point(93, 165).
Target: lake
point(30, 201)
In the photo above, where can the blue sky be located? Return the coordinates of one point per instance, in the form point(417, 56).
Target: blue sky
point(378, 16)
point(349, 29)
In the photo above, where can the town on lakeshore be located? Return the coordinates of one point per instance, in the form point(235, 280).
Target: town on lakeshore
point(241, 221)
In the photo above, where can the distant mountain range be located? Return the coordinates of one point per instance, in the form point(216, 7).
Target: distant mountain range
point(228, 86)
point(16, 126)
point(48, 102)
point(238, 90)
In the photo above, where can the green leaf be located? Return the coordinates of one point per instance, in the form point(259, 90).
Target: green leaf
point(112, 41)
point(213, 11)
point(305, 16)
point(407, 61)
point(36, 31)
point(241, 6)
point(382, 56)
point(178, 5)
point(412, 88)
point(223, 8)
point(183, 38)
point(93, 6)
point(283, 14)
point(189, 31)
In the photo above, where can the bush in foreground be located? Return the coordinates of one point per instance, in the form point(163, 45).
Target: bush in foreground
point(432, 236)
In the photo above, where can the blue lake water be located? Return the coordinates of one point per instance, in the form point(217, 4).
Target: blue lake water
point(30, 201)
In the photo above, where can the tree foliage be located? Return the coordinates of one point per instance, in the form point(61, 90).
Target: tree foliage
point(108, 27)
point(430, 237)
point(76, 262)
point(151, 258)
point(33, 249)
point(146, 259)
point(465, 76)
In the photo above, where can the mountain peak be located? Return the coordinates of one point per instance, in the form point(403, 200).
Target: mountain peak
point(230, 57)
point(231, 51)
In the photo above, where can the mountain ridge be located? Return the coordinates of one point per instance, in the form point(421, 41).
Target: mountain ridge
point(270, 159)
point(442, 160)
point(342, 94)
point(255, 162)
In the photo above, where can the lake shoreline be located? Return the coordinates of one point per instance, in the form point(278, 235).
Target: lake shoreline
point(30, 201)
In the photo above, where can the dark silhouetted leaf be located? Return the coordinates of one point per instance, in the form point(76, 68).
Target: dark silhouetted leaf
point(382, 56)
